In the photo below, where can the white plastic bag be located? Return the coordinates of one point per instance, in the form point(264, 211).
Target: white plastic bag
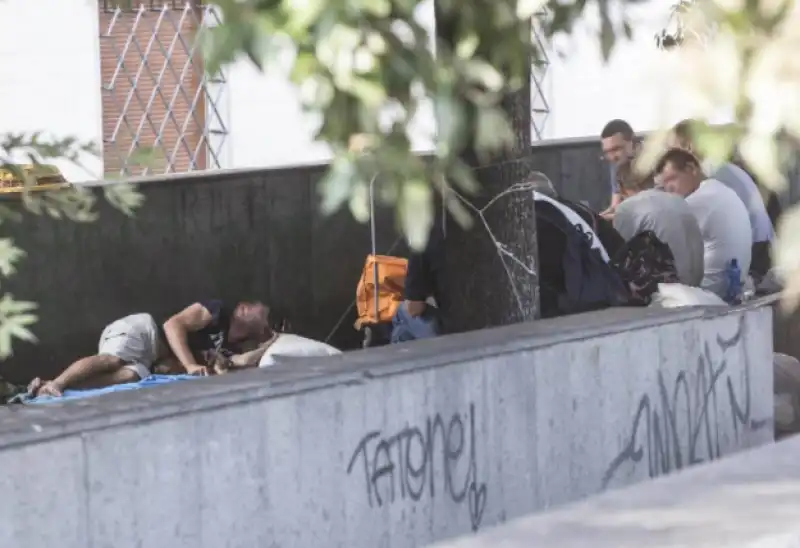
point(294, 346)
point(678, 295)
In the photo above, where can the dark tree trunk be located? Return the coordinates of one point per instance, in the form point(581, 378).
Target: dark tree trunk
point(491, 268)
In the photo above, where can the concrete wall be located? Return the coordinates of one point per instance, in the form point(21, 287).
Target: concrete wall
point(751, 499)
point(398, 446)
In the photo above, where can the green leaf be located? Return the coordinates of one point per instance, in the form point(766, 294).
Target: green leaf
point(481, 72)
point(607, 37)
point(337, 183)
point(467, 46)
point(220, 46)
point(10, 255)
point(528, 8)
point(492, 130)
point(359, 203)
point(416, 213)
point(302, 14)
point(378, 8)
point(450, 123)
point(628, 30)
point(124, 197)
point(371, 93)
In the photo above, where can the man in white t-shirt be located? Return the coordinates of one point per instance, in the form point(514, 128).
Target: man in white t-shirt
point(723, 218)
point(738, 180)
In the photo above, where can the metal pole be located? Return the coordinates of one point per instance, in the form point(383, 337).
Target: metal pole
point(373, 232)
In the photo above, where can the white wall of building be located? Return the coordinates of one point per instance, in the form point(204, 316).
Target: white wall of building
point(51, 74)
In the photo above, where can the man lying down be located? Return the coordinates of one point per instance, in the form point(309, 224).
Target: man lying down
point(205, 338)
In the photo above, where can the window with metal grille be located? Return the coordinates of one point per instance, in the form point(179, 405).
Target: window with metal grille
point(156, 95)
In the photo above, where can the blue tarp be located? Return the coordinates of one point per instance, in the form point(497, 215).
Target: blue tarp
point(152, 380)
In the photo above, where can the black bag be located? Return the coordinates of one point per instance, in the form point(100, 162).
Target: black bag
point(573, 276)
point(643, 263)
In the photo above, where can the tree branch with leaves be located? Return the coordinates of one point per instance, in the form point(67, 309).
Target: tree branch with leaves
point(60, 201)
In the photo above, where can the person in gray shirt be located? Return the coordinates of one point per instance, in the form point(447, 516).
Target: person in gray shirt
point(667, 215)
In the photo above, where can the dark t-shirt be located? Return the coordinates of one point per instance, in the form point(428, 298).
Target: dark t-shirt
point(425, 270)
point(214, 336)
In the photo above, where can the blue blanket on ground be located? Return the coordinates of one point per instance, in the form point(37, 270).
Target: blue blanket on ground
point(152, 380)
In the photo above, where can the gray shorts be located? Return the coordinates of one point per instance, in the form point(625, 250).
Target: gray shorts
point(134, 340)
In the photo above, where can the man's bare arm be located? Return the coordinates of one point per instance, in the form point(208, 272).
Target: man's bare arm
point(251, 358)
point(616, 199)
point(192, 318)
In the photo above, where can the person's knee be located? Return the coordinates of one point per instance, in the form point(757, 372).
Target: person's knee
point(128, 374)
point(133, 371)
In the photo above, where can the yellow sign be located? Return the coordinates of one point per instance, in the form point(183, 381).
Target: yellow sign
point(45, 177)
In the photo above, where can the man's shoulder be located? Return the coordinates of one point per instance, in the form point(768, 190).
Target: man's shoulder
point(651, 198)
point(214, 306)
point(712, 187)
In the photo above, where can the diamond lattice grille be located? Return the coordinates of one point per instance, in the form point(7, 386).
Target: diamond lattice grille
point(156, 94)
point(540, 107)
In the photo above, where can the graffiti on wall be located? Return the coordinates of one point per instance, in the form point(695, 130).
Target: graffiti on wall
point(436, 459)
point(680, 427)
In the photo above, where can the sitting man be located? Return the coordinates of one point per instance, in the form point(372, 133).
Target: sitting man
point(739, 181)
point(723, 218)
point(416, 318)
point(619, 143)
point(668, 216)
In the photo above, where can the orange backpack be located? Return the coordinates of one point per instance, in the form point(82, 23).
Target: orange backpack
point(391, 276)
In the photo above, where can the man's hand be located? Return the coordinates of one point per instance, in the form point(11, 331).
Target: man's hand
point(196, 370)
point(415, 308)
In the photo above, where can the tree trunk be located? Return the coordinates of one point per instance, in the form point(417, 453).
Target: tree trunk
point(491, 268)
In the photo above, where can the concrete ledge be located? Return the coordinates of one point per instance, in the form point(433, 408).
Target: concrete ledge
point(748, 500)
point(34, 424)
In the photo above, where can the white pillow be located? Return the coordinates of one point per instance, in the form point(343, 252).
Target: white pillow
point(288, 345)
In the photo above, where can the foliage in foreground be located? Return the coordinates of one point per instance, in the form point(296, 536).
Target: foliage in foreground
point(366, 67)
point(70, 202)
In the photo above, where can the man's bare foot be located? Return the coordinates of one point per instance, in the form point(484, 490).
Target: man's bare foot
point(39, 387)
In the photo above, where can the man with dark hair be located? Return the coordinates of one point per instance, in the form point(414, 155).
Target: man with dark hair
point(666, 215)
point(213, 326)
point(745, 187)
point(723, 219)
point(619, 143)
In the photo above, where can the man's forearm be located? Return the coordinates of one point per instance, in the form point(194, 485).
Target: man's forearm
point(176, 338)
point(251, 358)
